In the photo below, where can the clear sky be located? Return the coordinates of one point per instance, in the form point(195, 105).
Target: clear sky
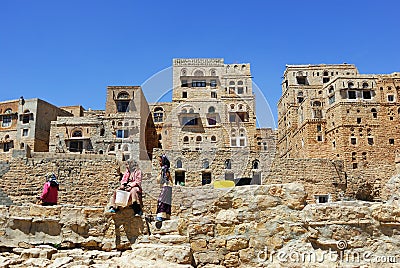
point(68, 51)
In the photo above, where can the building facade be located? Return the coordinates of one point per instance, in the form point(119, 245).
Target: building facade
point(25, 124)
point(209, 130)
point(125, 129)
point(333, 112)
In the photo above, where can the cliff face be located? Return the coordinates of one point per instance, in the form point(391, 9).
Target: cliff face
point(245, 226)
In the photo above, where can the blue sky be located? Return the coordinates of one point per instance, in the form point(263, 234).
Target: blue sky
point(68, 52)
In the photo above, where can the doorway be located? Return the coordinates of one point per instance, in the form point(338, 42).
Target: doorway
point(180, 177)
point(205, 178)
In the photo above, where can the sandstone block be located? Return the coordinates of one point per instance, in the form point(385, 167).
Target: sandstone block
point(231, 259)
point(236, 244)
point(174, 239)
point(198, 245)
point(225, 230)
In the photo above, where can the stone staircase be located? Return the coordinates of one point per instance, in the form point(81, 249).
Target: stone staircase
point(4, 198)
point(4, 167)
point(170, 242)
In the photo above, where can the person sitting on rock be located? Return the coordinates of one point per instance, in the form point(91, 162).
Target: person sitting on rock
point(131, 182)
point(49, 194)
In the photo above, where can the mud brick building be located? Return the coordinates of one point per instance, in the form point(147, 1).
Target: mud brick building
point(125, 129)
point(209, 130)
point(25, 124)
point(334, 112)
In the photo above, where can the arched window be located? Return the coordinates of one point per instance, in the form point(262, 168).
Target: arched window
point(374, 113)
point(350, 85)
point(231, 83)
point(178, 163)
point(125, 148)
point(199, 138)
point(326, 73)
point(213, 138)
point(77, 133)
point(186, 139)
point(198, 73)
point(232, 106)
point(240, 83)
point(191, 110)
point(7, 119)
point(316, 103)
point(102, 132)
point(256, 164)
point(123, 95)
point(184, 72)
point(211, 109)
point(184, 111)
point(26, 117)
point(228, 164)
point(206, 164)
point(111, 148)
point(213, 72)
point(240, 107)
point(365, 85)
point(300, 97)
point(158, 114)
point(242, 137)
point(123, 102)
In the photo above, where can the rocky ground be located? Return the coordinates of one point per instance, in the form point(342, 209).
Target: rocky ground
point(250, 226)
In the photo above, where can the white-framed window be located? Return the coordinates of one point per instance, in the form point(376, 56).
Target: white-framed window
point(122, 133)
point(25, 132)
point(7, 121)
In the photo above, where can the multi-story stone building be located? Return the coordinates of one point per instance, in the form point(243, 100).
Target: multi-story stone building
point(332, 111)
point(209, 130)
point(25, 124)
point(125, 129)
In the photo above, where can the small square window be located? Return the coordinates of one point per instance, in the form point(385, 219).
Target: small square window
point(240, 90)
point(214, 95)
point(184, 94)
point(25, 132)
point(390, 97)
point(353, 141)
point(25, 119)
point(367, 95)
point(391, 141)
point(322, 199)
point(358, 120)
point(352, 94)
point(391, 118)
point(355, 165)
point(319, 138)
point(370, 141)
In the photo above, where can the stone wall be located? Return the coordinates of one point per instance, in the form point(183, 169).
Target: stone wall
point(84, 180)
point(250, 226)
point(319, 176)
point(196, 163)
